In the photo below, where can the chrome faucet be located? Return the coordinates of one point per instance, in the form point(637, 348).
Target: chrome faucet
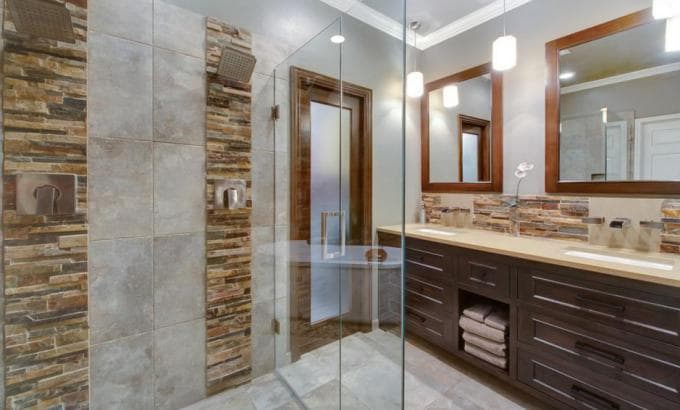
point(620, 223)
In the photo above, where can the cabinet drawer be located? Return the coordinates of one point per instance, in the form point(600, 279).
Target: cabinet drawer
point(615, 358)
point(630, 309)
point(429, 328)
point(439, 294)
point(429, 260)
point(582, 390)
point(484, 272)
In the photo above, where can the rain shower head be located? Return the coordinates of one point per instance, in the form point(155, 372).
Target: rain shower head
point(42, 18)
point(236, 65)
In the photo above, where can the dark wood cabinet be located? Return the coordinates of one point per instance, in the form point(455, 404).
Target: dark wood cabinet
point(578, 339)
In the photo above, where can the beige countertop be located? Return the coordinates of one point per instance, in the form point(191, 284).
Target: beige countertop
point(551, 251)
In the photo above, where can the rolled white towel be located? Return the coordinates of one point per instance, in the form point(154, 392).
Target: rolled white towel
point(497, 348)
point(480, 329)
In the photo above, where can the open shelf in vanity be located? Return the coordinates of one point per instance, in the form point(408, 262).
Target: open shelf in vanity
point(576, 338)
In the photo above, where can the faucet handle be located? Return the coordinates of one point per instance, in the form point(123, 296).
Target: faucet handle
point(620, 223)
point(593, 220)
point(652, 225)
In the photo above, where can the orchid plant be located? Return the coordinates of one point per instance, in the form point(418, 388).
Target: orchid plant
point(521, 172)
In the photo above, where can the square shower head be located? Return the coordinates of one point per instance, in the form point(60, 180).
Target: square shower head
point(236, 65)
point(42, 18)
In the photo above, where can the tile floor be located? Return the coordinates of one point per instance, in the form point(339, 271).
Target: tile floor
point(371, 380)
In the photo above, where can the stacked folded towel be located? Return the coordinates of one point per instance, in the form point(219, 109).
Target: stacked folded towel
point(485, 332)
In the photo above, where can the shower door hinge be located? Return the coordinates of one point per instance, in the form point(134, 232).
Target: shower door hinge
point(276, 112)
point(276, 326)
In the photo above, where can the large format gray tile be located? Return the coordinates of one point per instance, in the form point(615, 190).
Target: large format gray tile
point(262, 122)
point(130, 19)
point(121, 374)
point(120, 288)
point(270, 52)
point(179, 189)
point(262, 267)
point(179, 98)
point(309, 373)
point(263, 339)
point(282, 187)
point(120, 187)
point(267, 392)
point(328, 397)
point(120, 94)
point(282, 340)
point(263, 188)
point(179, 29)
point(179, 278)
point(179, 365)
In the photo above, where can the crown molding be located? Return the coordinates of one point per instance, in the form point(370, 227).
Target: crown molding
point(634, 75)
point(468, 22)
point(374, 18)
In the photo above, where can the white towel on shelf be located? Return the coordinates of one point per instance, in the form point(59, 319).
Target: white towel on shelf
point(478, 312)
point(494, 360)
point(497, 348)
point(480, 329)
point(498, 319)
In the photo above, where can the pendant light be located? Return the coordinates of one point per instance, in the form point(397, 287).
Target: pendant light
point(415, 81)
point(504, 48)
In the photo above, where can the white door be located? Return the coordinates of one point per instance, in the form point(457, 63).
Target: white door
point(617, 151)
point(657, 148)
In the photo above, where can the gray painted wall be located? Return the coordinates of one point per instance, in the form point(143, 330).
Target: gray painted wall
point(524, 87)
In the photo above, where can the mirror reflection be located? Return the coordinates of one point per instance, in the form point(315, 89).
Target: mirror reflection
point(620, 108)
point(460, 131)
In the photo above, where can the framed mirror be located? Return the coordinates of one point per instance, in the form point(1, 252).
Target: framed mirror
point(462, 132)
point(613, 109)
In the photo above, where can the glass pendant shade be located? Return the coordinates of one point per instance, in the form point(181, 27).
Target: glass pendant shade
point(673, 34)
point(663, 9)
point(451, 96)
point(504, 53)
point(415, 84)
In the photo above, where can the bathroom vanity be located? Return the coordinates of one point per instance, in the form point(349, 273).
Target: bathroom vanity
point(585, 332)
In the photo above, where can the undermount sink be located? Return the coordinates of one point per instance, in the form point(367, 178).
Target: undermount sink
point(622, 259)
point(436, 231)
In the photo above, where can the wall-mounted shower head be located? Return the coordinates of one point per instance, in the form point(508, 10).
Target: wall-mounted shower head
point(236, 65)
point(42, 18)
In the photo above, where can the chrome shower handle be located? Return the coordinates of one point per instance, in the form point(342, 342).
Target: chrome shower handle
point(324, 234)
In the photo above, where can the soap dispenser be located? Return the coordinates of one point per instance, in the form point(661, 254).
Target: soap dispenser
point(422, 215)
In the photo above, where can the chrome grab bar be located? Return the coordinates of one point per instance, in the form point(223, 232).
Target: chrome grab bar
point(324, 234)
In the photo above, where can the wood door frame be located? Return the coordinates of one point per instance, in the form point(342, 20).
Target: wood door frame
point(483, 170)
point(553, 184)
point(300, 203)
point(496, 172)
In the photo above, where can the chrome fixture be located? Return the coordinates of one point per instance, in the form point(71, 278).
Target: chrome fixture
point(593, 220)
point(46, 194)
point(325, 254)
point(230, 194)
point(652, 225)
point(236, 65)
point(620, 223)
point(670, 220)
point(43, 19)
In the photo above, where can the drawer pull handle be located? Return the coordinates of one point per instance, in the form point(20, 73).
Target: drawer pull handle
point(418, 317)
point(594, 351)
point(584, 396)
point(588, 301)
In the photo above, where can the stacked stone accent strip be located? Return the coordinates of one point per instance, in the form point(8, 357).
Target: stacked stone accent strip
point(670, 238)
point(540, 216)
point(45, 257)
point(229, 301)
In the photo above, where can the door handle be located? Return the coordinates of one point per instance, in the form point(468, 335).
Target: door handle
point(325, 255)
point(594, 351)
point(584, 396)
point(592, 302)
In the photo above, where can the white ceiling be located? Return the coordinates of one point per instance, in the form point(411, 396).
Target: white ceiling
point(440, 19)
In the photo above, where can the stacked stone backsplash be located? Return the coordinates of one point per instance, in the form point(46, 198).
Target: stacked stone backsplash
point(560, 218)
point(229, 254)
point(46, 346)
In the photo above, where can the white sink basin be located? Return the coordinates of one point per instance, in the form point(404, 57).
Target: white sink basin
point(622, 259)
point(436, 231)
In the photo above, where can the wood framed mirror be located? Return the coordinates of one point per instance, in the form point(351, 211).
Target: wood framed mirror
point(462, 132)
point(612, 110)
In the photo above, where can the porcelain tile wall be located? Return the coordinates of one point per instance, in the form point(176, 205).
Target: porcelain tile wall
point(147, 173)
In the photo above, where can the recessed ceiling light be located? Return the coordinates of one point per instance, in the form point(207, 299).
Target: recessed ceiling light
point(338, 39)
point(567, 75)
